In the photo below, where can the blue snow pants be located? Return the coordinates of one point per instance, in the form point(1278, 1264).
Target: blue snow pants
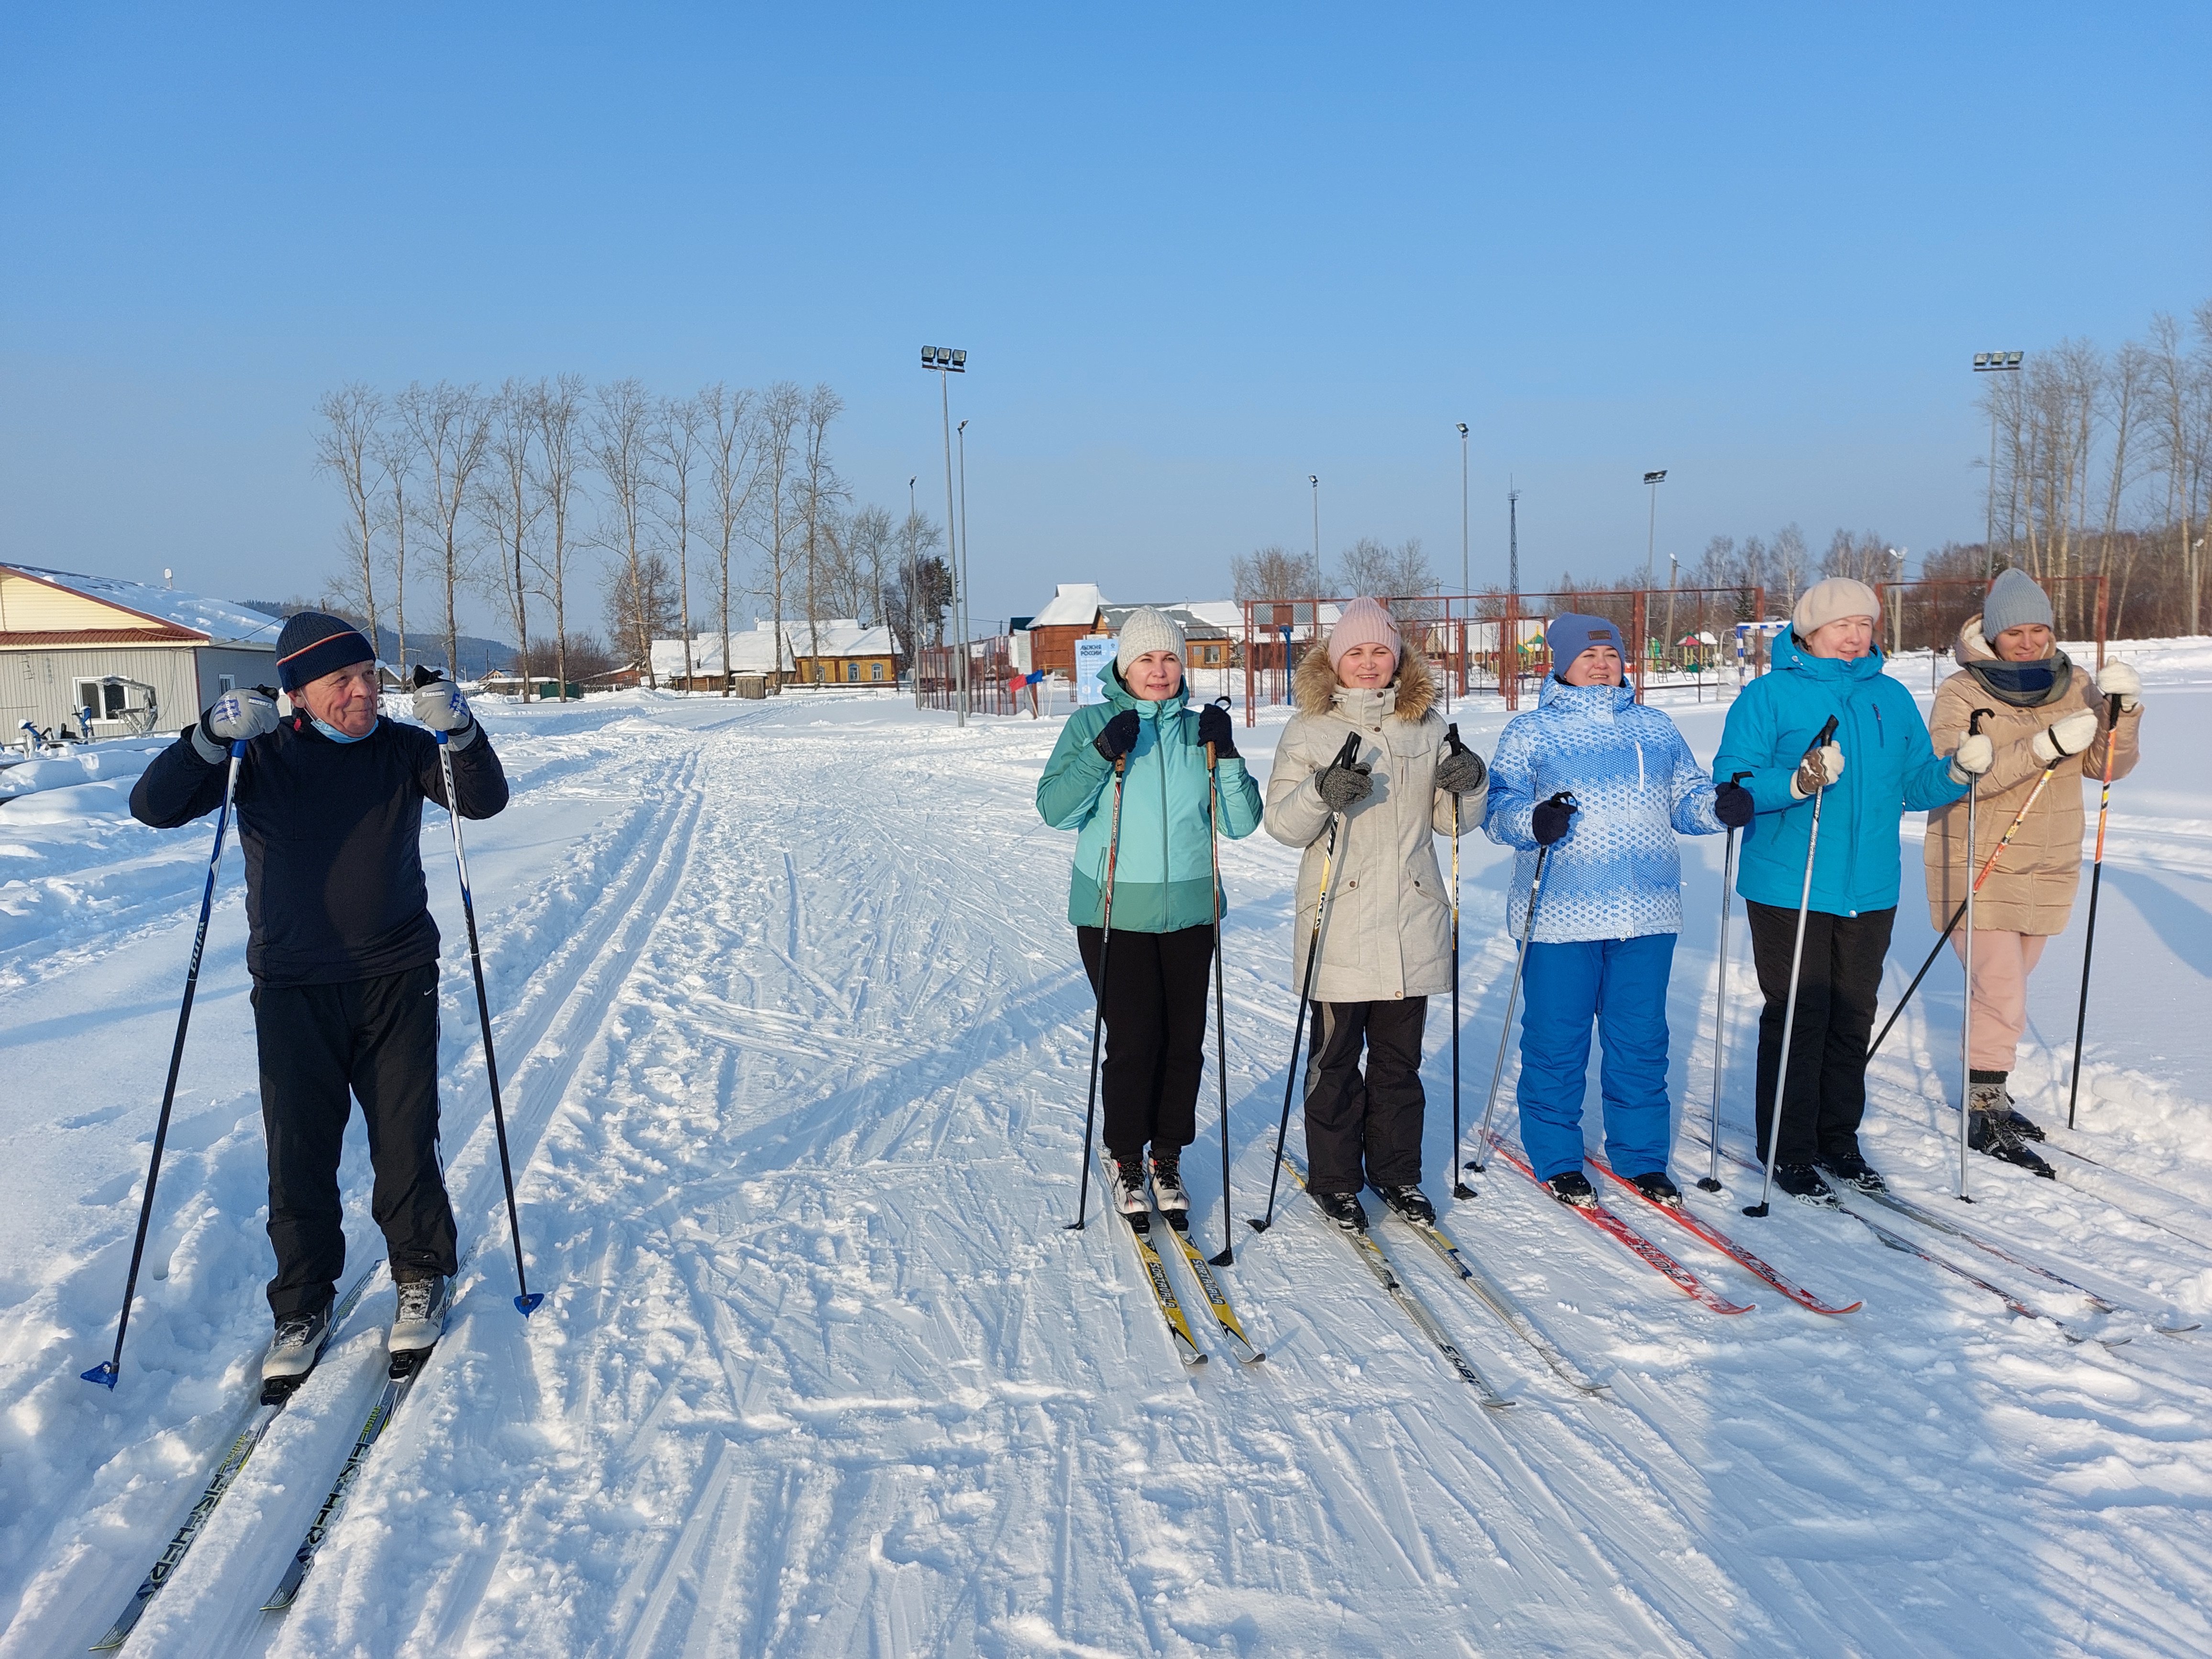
point(1622, 984)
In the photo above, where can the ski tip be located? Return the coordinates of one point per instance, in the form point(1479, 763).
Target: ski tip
point(1227, 1258)
point(526, 1304)
point(1708, 1185)
point(280, 1602)
point(104, 1374)
point(1754, 1209)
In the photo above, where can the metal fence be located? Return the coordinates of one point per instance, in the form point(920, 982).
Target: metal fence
point(1695, 639)
point(994, 685)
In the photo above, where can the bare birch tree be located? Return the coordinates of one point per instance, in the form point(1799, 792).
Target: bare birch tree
point(557, 408)
point(678, 439)
point(507, 503)
point(781, 411)
point(449, 427)
point(732, 470)
point(819, 492)
point(395, 453)
point(622, 452)
point(346, 448)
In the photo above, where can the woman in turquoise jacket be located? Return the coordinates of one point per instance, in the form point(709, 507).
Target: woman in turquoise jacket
point(1164, 898)
point(1878, 765)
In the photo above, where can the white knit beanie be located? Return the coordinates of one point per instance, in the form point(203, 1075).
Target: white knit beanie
point(1831, 601)
point(1148, 630)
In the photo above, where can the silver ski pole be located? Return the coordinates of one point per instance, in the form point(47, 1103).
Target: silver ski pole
point(1967, 955)
point(1711, 1183)
point(110, 1369)
point(1098, 1017)
point(1796, 965)
point(1460, 1188)
point(1513, 993)
point(1227, 1258)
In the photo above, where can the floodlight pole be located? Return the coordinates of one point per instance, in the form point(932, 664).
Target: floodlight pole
point(1993, 362)
point(913, 589)
point(1314, 479)
point(967, 621)
point(948, 360)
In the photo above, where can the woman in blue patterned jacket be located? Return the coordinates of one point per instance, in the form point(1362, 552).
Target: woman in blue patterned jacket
point(1611, 905)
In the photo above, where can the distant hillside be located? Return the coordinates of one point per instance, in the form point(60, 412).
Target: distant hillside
point(479, 656)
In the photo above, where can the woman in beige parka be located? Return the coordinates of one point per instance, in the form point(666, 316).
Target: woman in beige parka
point(2045, 713)
point(1386, 947)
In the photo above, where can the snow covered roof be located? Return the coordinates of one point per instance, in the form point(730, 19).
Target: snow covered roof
point(1185, 616)
point(1074, 604)
point(750, 653)
point(836, 636)
point(218, 621)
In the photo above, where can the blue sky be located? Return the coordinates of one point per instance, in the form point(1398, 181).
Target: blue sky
point(1195, 256)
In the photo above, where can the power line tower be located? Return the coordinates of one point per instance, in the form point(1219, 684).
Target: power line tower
point(1512, 539)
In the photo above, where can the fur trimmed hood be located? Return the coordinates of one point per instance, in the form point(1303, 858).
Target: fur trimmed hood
point(1314, 687)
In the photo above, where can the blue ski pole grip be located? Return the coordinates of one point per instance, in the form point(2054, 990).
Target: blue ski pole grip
point(238, 748)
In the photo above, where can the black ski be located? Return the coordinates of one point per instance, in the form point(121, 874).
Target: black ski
point(1495, 1296)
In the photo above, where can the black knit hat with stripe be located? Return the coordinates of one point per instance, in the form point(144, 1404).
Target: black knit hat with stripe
point(313, 644)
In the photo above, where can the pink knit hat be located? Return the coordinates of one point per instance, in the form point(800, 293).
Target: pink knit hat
point(1363, 623)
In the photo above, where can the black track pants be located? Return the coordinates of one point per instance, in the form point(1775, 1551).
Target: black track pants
point(1836, 991)
point(376, 1039)
point(1156, 1012)
point(1367, 1128)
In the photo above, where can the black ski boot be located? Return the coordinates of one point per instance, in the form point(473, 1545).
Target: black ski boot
point(1988, 1131)
point(1572, 1187)
point(1410, 1203)
point(1658, 1188)
point(1990, 1094)
point(1803, 1182)
point(1855, 1171)
point(1343, 1208)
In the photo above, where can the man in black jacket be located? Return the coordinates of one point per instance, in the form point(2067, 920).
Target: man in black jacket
point(343, 956)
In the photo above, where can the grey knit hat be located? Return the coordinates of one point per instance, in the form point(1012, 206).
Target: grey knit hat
point(1148, 630)
point(2014, 601)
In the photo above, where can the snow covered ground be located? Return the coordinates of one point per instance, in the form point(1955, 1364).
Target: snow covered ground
point(794, 1047)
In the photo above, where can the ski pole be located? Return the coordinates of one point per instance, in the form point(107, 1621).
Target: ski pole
point(1098, 1016)
point(1796, 964)
point(527, 1300)
point(2096, 879)
point(1345, 756)
point(1228, 1256)
point(1513, 992)
point(1460, 1188)
point(1711, 1183)
point(1959, 913)
point(110, 1369)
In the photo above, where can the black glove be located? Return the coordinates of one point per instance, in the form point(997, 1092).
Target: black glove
point(1213, 727)
point(1460, 773)
point(1548, 823)
point(1733, 805)
point(1343, 786)
point(1117, 737)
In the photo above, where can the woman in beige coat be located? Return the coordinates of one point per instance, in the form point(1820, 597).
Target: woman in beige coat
point(1387, 948)
point(2044, 713)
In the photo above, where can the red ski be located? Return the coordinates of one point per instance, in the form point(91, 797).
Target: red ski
point(1727, 1246)
point(1606, 1222)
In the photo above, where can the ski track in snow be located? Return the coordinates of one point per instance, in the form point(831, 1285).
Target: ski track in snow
point(792, 1046)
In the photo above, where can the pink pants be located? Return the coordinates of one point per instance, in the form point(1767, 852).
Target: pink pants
point(2003, 963)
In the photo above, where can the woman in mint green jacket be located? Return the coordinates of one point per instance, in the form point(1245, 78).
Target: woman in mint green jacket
point(1164, 898)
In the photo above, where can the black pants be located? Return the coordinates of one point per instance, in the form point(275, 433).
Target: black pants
point(1373, 1122)
point(1155, 1004)
point(1836, 990)
point(377, 1038)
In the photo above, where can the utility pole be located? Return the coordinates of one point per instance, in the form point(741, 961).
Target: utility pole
point(913, 591)
point(948, 361)
point(1314, 479)
point(1993, 362)
point(1652, 481)
point(1462, 508)
point(967, 621)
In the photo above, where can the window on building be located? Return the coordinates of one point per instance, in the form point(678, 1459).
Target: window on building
point(875, 671)
point(228, 682)
point(107, 702)
point(818, 673)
